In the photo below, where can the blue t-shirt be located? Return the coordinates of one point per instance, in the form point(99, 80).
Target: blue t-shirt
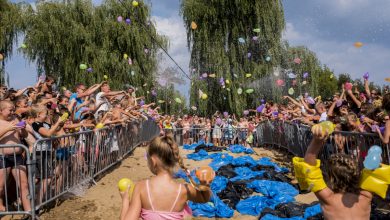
point(79, 101)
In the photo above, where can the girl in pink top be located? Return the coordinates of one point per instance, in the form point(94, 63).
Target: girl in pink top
point(161, 197)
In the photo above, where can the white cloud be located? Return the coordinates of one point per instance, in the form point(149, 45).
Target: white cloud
point(343, 57)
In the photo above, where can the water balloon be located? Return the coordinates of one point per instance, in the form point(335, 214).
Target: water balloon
point(305, 75)
point(119, 18)
point(235, 75)
point(246, 112)
point(194, 26)
point(249, 91)
point(1, 56)
point(178, 100)
point(160, 101)
point(348, 86)
point(63, 88)
point(125, 56)
point(125, 183)
point(239, 91)
point(291, 91)
point(130, 61)
point(135, 3)
point(212, 75)
point(310, 100)
point(154, 93)
point(194, 108)
point(256, 30)
point(225, 114)
point(358, 44)
point(304, 83)
point(294, 82)
point(204, 96)
point(366, 76)
point(128, 21)
point(249, 55)
point(228, 89)
point(105, 77)
point(331, 76)
point(146, 50)
point(373, 158)
point(262, 101)
point(227, 81)
point(99, 126)
point(142, 102)
point(268, 58)
point(90, 70)
point(248, 75)
point(292, 76)
point(23, 46)
point(241, 40)
point(132, 73)
point(204, 75)
point(83, 66)
point(279, 82)
point(260, 108)
point(297, 60)
point(255, 38)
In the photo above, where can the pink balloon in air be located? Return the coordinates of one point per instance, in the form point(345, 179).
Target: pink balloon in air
point(297, 60)
point(294, 82)
point(279, 82)
point(246, 112)
point(348, 86)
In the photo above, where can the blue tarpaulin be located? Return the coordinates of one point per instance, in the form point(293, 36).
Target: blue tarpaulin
point(312, 211)
point(236, 148)
point(252, 205)
point(244, 173)
point(272, 217)
point(201, 155)
point(220, 160)
point(273, 188)
point(214, 208)
point(219, 184)
point(244, 161)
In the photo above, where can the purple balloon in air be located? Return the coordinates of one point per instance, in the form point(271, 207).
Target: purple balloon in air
point(154, 93)
point(366, 75)
point(249, 55)
point(128, 21)
point(339, 103)
point(254, 38)
point(142, 102)
point(222, 81)
point(305, 75)
point(119, 18)
point(225, 114)
point(310, 100)
point(218, 121)
point(262, 101)
point(89, 70)
point(306, 94)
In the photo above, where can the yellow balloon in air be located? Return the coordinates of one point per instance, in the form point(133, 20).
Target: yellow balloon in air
point(105, 77)
point(125, 56)
point(135, 3)
point(124, 183)
point(204, 96)
point(194, 25)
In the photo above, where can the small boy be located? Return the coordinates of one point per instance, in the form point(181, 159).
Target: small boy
point(349, 193)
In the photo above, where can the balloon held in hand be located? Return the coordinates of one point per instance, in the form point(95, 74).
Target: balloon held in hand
point(124, 184)
point(373, 158)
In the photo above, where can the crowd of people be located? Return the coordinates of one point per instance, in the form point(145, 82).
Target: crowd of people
point(37, 112)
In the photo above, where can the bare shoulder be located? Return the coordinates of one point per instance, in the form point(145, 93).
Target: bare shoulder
point(366, 195)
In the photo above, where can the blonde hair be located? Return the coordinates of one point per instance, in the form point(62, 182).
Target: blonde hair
point(37, 109)
point(166, 149)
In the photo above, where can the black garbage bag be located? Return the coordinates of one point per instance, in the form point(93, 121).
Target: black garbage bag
point(233, 192)
point(226, 171)
point(273, 175)
point(209, 148)
point(268, 210)
point(262, 168)
point(291, 209)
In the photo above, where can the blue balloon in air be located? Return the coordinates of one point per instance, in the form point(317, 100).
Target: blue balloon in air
point(373, 158)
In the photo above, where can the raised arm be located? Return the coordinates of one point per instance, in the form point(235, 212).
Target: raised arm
point(353, 97)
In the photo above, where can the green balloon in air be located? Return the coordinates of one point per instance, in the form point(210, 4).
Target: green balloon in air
point(83, 66)
point(249, 91)
point(178, 100)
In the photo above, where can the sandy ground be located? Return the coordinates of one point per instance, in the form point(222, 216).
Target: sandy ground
point(102, 201)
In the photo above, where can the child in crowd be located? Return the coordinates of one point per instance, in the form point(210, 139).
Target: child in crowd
point(160, 197)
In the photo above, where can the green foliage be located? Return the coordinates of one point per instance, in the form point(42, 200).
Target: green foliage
point(327, 85)
point(215, 47)
point(60, 37)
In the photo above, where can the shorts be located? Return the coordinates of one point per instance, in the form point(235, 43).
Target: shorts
point(65, 153)
point(243, 135)
point(44, 164)
point(11, 161)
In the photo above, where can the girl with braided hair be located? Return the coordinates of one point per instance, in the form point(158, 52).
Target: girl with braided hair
point(161, 197)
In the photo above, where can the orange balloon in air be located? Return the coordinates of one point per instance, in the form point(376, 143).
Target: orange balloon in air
point(387, 79)
point(205, 173)
point(194, 25)
point(1, 56)
point(358, 44)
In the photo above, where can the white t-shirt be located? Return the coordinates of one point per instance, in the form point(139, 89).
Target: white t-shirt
point(100, 98)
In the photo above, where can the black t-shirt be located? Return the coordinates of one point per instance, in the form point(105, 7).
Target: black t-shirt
point(37, 125)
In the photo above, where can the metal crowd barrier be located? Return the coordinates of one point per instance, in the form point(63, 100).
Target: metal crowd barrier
point(218, 136)
point(58, 165)
point(295, 138)
point(16, 181)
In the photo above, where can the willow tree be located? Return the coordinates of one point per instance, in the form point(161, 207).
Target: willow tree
point(115, 39)
point(9, 27)
point(231, 38)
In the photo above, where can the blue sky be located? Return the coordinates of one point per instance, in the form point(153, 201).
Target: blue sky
point(329, 28)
